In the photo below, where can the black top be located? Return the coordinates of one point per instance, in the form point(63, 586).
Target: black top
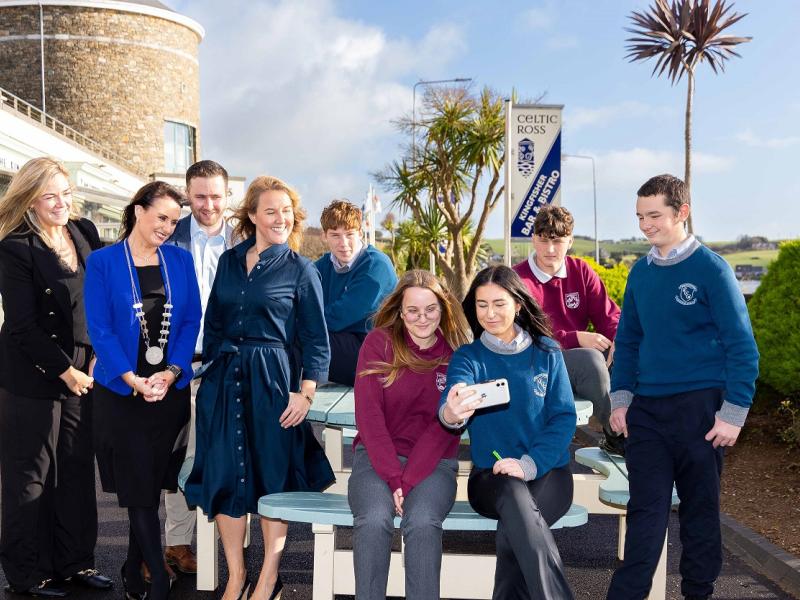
point(74, 282)
point(151, 283)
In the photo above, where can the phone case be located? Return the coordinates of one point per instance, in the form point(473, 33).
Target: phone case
point(492, 392)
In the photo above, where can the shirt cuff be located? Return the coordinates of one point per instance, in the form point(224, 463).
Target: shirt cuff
point(733, 414)
point(529, 469)
point(453, 426)
point(621, 399)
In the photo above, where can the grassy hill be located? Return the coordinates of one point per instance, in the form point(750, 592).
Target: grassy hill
point(633, 248)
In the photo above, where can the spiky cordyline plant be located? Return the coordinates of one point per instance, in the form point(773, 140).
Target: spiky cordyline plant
point(681, 35)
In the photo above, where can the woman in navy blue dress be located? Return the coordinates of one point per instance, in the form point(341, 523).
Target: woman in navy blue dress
point(252, 438)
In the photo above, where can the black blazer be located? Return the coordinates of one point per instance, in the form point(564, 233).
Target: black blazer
point(36, 341)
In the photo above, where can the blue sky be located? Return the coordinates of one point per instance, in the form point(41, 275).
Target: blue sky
point(307, 90)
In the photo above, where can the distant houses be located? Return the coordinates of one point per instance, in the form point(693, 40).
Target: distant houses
point(749, 272)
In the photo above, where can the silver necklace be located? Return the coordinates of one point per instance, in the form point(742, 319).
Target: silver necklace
point(153, 354)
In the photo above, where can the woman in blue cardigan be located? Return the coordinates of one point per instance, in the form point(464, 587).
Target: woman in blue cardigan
point(520, 450)
point(143, 313)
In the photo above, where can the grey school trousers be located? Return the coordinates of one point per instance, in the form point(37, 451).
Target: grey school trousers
point(590, 380)
point(424, 509)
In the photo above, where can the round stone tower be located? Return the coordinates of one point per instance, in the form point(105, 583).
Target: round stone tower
point(124, 73)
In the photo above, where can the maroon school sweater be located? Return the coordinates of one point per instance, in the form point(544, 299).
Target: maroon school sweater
point(402, 419)
point(573, 302)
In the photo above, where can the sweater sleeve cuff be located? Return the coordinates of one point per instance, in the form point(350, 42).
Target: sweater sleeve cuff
point(453, 426)
point(570, 340)
point(320, 377)
point(621, 399)
point(733, 414)
point(529, 469)
point(394, 483)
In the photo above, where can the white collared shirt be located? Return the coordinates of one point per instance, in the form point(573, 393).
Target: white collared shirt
point(541, 275)
point(674, 253)
point(206, 251)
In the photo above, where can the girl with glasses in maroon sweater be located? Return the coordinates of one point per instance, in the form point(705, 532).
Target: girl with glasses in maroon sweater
point(405, 460)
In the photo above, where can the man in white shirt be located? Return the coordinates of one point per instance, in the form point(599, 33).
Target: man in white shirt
point(205, 234)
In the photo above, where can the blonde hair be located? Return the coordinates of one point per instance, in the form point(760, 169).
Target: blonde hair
point(26, 187)
point(452, 324)
point(244, 227)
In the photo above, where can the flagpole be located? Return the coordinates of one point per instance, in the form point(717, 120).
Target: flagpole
point(507, 191)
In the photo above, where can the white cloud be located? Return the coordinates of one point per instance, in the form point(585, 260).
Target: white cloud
point(295, 90)
point(538, 18)
point(776, 143)
point(580, 117)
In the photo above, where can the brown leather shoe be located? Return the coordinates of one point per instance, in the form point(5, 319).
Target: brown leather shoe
point(170, 573)
point(182, 558)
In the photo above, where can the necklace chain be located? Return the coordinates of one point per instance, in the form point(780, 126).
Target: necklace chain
point(138, 307)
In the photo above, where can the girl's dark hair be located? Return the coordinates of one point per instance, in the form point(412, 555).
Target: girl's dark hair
point(144, 198)
point(530, 317)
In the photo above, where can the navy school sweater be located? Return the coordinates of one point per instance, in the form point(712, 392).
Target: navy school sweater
point(351, 298)
point(540, 419)
point(685, 327)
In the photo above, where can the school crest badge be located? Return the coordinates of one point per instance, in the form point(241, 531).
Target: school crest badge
point(525, 163)
point(572, 300)
point(687, 294)
point(540, 385)
point(441, 380)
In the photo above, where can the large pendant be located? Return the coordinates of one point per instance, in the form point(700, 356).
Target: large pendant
point(154, 355)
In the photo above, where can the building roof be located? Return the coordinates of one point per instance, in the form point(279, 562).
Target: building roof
point(147, 7)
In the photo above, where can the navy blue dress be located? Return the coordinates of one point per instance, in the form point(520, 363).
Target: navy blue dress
point(252, 322)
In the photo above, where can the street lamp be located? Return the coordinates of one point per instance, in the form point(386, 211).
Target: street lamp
point(432, 256)
point(594, 192)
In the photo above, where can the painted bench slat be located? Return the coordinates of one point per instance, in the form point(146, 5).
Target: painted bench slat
point(332, 509)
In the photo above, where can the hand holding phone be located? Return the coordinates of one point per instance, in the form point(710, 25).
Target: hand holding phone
point(490, 393)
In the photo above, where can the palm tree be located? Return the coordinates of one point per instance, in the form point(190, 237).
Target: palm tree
point(681, 35)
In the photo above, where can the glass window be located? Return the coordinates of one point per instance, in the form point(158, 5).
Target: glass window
point(179, 142)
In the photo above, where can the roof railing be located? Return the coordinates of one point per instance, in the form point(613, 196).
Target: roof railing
point(11, 102)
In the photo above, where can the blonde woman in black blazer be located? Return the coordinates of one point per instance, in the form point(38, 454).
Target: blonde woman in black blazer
point(48, 527)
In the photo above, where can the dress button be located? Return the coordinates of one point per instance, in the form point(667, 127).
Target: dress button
point(48, 291)
point(51, 314)
point(238, 432)
point(238, 384)
point(258, 267)
point(236, 369)
point(242, 292)
point(54, 336)
point(238, 416)
point(238, 399)
point(242, 480)
point(241, 464)
point(240, 322)
point(240, 447)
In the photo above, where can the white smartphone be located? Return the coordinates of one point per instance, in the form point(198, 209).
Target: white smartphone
point(491, 393)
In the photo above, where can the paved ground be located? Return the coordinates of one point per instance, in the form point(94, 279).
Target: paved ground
point(588, 553)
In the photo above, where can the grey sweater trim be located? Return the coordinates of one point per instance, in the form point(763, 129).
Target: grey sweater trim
point(667, 262)
point(515, 346)
point(528, 467)
point(453, 426)
point(621, 399)
point(733, 414)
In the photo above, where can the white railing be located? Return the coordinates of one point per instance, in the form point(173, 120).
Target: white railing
point(9, 101)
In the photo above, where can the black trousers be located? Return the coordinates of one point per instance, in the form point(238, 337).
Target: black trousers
point(344, 356)
point(528, 563)
point(48, 518)
point(666, 443)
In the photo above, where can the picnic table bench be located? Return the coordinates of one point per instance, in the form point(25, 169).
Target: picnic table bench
point(463, 575)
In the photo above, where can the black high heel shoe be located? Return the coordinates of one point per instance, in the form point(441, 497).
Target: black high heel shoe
point(128, 594)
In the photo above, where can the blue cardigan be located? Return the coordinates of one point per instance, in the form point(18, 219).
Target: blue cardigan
point(113, 328)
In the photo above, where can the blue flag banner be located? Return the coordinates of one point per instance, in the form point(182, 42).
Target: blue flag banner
point(544, 186)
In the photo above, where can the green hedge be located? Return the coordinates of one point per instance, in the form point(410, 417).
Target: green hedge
point(615, 278)
point(775, 314)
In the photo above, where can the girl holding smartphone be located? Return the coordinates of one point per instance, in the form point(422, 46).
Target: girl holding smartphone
point(520, 450)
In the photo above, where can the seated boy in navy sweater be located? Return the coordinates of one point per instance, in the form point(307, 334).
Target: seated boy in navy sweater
point(573, 296)
point(355, 280)
point(683, 381)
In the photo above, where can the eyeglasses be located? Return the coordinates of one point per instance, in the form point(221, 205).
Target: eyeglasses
point(412, 315)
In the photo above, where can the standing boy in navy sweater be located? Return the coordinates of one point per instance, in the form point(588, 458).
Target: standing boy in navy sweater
point(355, 280)
point(683, 381)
